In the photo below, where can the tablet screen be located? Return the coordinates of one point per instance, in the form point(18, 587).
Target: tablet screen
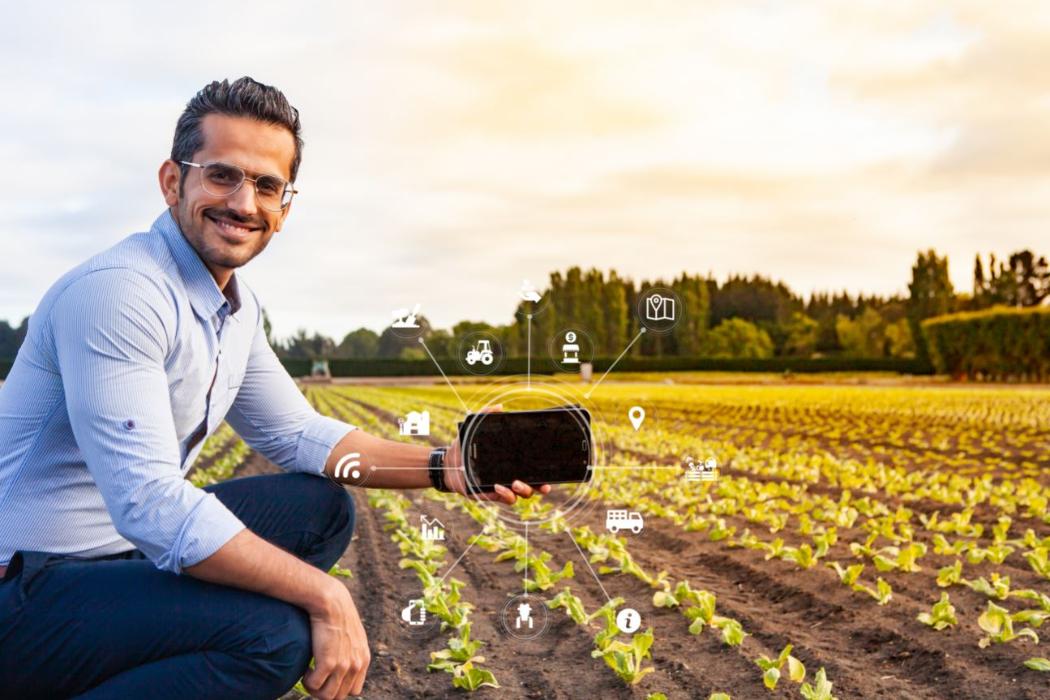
point(538, 447)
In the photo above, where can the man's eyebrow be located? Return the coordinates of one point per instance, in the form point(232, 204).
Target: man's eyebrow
point(247, 171)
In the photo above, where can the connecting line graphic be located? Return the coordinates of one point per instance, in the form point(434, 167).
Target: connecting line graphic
point(525, 581)
point(450, 385)
point(591, 391)
point(469, 547)
point(588, 563)
point(636, 466)
point(528, 353)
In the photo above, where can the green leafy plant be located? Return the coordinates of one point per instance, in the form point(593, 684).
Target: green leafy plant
point(950, 575)
point(337, 570)
point(998, 587)
point(573, 606)
point(772, 669)
point(802, 556)
point(942, 615)
point(882, 592)
point(849, 574)
point(999, 626)
point(1039, 560)
point(820, 690)
point(625, 659)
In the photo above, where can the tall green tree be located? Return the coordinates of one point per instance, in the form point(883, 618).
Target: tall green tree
point(362, 343)
point(930, 294)
point(689, 332)
point(616, 316)
point(1021, 280)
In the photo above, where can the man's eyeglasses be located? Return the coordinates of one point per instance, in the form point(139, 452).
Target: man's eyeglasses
point(223, 179)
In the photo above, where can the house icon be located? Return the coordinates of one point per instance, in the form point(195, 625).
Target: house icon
point(415, 423)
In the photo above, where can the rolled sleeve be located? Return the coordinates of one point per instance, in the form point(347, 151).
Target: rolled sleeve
point(274, 418)
point(209, 526)
point(110, 330)
point(315, 444)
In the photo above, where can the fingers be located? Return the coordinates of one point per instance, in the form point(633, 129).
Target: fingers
point(355, 679)
point(502, 493)
point(521, 488)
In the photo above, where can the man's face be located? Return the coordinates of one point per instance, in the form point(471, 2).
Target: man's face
point(229, 231)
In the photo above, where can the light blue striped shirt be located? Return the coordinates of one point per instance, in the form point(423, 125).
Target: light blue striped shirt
point(99, 411)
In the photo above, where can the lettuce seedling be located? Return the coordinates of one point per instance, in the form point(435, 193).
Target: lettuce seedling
point(942, 615)
point(997, 623)
point(626, 659)
point(773, 668)
point(821, 690)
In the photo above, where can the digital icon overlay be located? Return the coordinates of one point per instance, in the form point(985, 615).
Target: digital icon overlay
point(621, 519)
point(637, 416)
point(701, 471)
point(415, 423)
point(431, 529)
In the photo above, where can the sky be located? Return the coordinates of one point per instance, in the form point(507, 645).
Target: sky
point(454, 149)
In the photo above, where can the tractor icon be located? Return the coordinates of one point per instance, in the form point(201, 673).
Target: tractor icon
point(481, 352)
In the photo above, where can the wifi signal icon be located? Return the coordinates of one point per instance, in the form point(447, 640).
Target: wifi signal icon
point(347, 466)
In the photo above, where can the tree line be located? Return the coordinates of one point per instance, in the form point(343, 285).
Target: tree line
point(741, 317)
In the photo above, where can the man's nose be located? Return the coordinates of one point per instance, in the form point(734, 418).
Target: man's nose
point(243, 201)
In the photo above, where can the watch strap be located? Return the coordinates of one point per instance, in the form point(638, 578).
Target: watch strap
point(436, 469)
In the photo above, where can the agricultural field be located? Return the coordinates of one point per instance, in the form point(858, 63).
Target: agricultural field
point(861, 540)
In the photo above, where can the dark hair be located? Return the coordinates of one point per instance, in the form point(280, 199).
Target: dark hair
point(243, 97)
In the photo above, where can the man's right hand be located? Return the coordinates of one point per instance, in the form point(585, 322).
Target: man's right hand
point(340, 645)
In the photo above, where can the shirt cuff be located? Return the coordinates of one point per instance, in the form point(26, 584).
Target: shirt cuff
point(316, 442)
point(209, 526)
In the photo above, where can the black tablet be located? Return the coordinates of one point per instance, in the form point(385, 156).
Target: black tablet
point(548, 446)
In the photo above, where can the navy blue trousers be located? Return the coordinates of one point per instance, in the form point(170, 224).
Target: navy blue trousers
point(118, 627)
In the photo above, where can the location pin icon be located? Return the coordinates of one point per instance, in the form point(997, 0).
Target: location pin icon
point(637, 415)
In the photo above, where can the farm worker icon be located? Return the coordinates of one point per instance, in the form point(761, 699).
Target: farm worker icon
point(524, 615)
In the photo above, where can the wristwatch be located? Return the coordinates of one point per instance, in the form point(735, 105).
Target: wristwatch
point(436, 469)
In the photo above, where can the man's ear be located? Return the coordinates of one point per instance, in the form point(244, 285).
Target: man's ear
point(284, 215)
point(170, 176)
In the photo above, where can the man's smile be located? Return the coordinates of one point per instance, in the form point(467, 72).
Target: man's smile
point(231, 229)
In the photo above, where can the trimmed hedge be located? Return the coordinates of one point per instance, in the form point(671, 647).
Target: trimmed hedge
point(518, 365)
point(997, 343)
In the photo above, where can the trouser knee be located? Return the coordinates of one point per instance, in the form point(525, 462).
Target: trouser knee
point(283, 646)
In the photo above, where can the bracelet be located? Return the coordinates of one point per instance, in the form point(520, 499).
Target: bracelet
point(436, 469)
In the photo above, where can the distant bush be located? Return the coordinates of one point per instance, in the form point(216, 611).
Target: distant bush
point(736, 338)
point(996, 343)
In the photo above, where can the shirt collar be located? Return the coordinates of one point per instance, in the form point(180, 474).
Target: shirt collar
point(204, 294)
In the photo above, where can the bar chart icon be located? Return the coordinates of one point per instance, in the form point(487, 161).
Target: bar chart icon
point(431, 529)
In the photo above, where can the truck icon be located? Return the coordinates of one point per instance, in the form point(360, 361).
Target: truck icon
point(616, 520)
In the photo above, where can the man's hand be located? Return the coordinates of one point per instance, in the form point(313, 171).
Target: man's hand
point(340, 645)
point(456, 479)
